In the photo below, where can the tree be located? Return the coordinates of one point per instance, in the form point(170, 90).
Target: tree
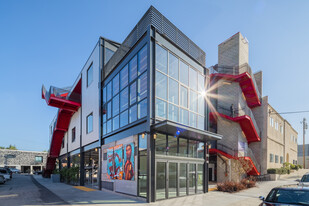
point(12, 147)
point(2, 147)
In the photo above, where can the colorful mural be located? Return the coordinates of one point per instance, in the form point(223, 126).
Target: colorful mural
point(129, 161)
point(118, 162)
point(110, 163)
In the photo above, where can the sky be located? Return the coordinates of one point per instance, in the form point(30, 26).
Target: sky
point(48, 42)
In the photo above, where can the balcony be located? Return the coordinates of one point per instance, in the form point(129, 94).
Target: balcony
point(243, 75)
point(245, 119)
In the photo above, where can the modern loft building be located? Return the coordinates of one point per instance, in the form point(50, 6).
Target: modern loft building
point(255, 137)
point(136, 120)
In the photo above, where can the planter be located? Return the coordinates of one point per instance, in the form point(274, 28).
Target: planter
point(55, 178)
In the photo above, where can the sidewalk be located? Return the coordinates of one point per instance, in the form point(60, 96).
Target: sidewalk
point(246, 197)
point(74, 196)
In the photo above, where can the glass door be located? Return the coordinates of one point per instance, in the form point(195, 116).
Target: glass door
point(172, 179)
point(160, 180)
point(182, 179)
point(192, 179)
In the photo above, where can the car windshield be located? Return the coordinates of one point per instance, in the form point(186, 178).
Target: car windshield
point(305, 178)
point(288, 196)
point(3, 171)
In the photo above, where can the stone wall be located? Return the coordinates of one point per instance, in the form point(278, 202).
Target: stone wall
point(18, 158)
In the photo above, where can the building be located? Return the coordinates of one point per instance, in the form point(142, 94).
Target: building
point(25, 161)
point(300, 157)
point(144, 130)
point(255, 136)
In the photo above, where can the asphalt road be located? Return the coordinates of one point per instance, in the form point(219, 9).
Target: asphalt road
point(25, 190)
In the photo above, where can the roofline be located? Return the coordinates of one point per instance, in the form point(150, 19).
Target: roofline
point(23, 151)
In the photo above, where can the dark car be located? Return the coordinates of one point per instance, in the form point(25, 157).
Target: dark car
point(287, 195)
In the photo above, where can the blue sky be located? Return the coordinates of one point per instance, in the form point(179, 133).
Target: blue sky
point(48, 42)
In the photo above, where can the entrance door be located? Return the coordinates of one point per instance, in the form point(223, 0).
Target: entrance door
point(161, 180)
point(177, 178)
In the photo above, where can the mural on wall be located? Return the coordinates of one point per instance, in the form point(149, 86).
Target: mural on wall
point(118, 162)
point(110, 163)
point(129, 161)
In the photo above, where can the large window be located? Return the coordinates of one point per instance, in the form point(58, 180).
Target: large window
point(89, 75)
point(179, 90)
point(89, 123)
point(73, 134)
point(126, 94)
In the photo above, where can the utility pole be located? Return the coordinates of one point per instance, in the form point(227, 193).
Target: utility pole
point(305, 126)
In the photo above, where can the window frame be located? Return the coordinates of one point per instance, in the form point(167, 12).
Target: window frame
point(90, 67)
point(73, 137)
point(87, 126)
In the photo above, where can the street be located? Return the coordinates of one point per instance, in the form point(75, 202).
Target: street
point(24, 190)
point(32, 190)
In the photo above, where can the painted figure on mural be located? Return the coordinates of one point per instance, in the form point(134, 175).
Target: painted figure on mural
point(129, 165)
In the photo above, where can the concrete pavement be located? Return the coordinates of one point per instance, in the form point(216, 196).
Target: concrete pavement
point(63, 194)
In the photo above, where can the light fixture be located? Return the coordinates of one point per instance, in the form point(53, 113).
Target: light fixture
point(154, 136)
point(209, 146)
point(143, 135)
point(96, 149)
point(78, 155)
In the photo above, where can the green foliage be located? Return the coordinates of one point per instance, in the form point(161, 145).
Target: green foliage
point(12, 147)
point(280, 171)
point(300, 166)
point(70, 175)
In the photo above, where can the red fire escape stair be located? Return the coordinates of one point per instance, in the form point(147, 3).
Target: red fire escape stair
point(245, 123)
point(246, 84)
point(245, 161)
point(66, 110)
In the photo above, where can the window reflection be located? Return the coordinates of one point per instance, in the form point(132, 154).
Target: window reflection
point(161, 85)
point(161, 59)
point(184, 73)
point(173, 66)
point(161, 108)
point(142, 60)
point(133, 68)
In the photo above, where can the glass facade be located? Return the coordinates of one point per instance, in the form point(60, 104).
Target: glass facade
point(179, 90)
point(125, 96)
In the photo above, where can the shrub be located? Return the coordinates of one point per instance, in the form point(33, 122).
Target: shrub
point(230, 186)
point(272, 171)
point(300, 166)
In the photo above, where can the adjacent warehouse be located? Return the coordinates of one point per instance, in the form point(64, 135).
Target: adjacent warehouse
point(25, 161)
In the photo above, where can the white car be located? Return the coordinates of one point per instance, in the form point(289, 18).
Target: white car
point(5, 173)
point(304, 180)
point(2, 179)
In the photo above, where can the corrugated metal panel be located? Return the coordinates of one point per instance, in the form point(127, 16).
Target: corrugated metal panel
point(163, 26)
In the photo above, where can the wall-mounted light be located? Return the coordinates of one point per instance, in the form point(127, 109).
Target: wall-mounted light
point(96, 149)
point(154, 136)
point(209, 146)
point(78, 155)
point(143, 135)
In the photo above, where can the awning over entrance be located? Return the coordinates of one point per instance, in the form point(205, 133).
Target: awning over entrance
point(176, 129)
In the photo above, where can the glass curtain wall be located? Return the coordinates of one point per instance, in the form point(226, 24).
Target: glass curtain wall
point(125, 96)
point(180, 90)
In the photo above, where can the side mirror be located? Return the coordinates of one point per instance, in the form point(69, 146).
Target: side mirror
point(262, 198)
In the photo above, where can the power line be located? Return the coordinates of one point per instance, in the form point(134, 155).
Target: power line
point(305, 111)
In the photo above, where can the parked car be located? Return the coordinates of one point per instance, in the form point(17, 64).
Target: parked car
point(39, 172)
point(14, 170)
point(9, 171)
point(5, 173)
point(304, 181)
point(2, 179)
point(287, 195)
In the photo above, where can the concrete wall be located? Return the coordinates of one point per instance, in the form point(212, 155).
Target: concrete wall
point(234, 51)
point(291, 147)
point(90, 98)
point(75, 122)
